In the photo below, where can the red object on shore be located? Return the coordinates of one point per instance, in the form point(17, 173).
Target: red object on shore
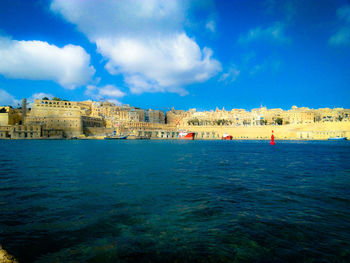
point(272, 139)
point(186, 135)
point(226, 137)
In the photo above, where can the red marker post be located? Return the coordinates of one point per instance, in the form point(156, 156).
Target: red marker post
point(272, 139)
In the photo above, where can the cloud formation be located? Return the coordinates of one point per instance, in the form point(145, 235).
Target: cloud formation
point(230, 76)
point(107, 92)
point(342, 36)
point(270, 64)
point(210, 25)
point(39, 96)
point(6, 99)
point(37, 60)
point(144, 41)
point(273, 33)
point(344, 13)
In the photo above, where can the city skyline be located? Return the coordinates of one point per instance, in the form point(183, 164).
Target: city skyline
point(162, 54)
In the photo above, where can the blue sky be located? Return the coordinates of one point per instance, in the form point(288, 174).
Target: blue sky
point(187, 54)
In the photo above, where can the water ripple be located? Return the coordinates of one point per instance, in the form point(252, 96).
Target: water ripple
point(175, 201)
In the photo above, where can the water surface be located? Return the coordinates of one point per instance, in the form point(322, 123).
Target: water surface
point(175, 201)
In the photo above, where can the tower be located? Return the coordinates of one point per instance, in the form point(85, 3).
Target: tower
point(24, 109)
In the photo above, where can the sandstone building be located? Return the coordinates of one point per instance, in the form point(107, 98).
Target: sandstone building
point(68, 119)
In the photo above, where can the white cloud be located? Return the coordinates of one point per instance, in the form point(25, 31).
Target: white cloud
point(257, 68)
point(91, 91)
point(210, 25)
point(39, 96)
point(271, 65)
point(273, 33)
point(37, 60)
point(138, 85)
point(344, 13)
point(342, 36)
point(111, 91)
point(230, 76)
point(116, 102)
point(144, 41)
point(108, 92)
point(6, 99)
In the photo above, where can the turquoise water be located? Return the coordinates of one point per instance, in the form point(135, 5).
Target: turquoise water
point(175, 201)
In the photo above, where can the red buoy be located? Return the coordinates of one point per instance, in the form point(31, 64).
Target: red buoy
point(272, 139)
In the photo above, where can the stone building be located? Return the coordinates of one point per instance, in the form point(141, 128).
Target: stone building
point(85, 107)
point(56, 115)
point(299, 115)
point(174, 117)
point(26, 132)
point(65, 116)
point(332, 115)
point(88, 121)
point(258, 116)
point(154, 116)
point(141, 114)
point(115, 115)
point(66, 119)
point(10, 116)
point(5, 131)
point(29, 131)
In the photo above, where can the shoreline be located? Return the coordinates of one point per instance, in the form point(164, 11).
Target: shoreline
point(163, 139)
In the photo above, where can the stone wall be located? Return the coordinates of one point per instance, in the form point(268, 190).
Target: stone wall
point(4, 119)
point(21, 132)
point(97, 131)
point(10, 116)
point(321, 131)
point(57, 115)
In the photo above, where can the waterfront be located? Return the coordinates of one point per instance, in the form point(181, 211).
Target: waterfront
point(167, 201)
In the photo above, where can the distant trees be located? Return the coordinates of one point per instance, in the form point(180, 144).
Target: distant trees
point(263, 122)
point(279, 121)
point(54, 98)
point(223, 122)
point(193, 122)
point(219, 122)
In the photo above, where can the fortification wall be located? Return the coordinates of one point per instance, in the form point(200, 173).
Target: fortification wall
point(97, 131)
point(298, 131)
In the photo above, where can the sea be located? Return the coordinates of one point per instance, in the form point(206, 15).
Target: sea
point(175, 201)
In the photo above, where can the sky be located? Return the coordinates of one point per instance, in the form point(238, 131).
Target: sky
point(160, 54)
